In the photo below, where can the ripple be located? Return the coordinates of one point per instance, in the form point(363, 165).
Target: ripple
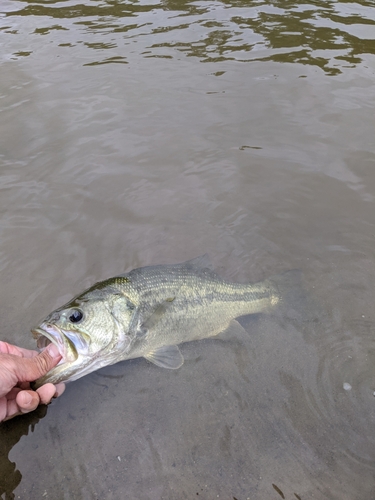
point(328, 35)
point(337, 395)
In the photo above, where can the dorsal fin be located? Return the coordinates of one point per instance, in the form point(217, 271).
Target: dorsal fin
point(201, 262)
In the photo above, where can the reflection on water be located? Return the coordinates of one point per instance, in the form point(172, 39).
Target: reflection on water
point(118, 149)
point(330, 35)
point(10, 433)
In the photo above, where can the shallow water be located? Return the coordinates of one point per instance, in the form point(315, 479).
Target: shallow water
point(137, 133)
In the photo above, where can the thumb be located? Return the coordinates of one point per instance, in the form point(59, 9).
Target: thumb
point(30, 369)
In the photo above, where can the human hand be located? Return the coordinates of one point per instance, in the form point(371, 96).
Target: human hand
point(19, 367)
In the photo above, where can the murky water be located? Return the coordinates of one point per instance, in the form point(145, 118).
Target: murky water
point(137, 133)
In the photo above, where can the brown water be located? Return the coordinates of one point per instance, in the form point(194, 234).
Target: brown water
point(137, 133)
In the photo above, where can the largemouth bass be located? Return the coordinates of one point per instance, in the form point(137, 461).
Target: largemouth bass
point(147, 313)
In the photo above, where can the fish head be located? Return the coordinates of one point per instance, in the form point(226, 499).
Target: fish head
point(91, 331)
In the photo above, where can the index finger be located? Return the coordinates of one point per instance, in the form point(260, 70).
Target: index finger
point(7, 348)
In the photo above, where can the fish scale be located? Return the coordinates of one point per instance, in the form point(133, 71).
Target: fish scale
point(146, 313)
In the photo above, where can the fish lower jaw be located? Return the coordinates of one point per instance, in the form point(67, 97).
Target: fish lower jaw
point(54, 376)
point(68, 371)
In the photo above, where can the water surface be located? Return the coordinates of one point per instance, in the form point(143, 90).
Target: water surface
point(136, 133)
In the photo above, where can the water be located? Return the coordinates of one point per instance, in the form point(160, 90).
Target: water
point(137, 133)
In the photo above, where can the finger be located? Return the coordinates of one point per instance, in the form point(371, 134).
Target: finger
point(31, 369)
point(27, 401)
point(10, 410)
point(12, 394)
point(7, 348)
point(46, 393)
point(28, 353)
point(8, 405)
point(24, 385)
point(47, 359)
point(3, 408)
point(4, 347)
point(60, 388)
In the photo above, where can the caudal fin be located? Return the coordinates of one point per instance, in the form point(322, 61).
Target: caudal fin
point(295, 302)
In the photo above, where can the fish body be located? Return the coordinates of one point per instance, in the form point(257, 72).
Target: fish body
point(147, 313)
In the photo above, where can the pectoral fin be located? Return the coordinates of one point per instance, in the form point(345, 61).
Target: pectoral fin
point(168, 356)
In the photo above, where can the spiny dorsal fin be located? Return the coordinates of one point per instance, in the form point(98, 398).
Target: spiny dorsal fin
point(168, 356)
point(201, 262)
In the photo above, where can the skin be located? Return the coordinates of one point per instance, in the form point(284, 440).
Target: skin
point(19, 367)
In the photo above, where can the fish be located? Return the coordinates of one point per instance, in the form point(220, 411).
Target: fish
point(147, 313)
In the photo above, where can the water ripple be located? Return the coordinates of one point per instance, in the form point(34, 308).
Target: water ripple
point(329, 35)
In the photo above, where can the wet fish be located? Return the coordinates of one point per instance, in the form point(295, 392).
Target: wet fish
point(147, 313)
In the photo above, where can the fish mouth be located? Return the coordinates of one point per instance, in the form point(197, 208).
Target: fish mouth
point(46, 334)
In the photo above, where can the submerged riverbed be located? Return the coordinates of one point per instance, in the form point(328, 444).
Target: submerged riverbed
point(136, 133)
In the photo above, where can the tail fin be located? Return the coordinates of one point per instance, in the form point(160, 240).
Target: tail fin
point(294, 300)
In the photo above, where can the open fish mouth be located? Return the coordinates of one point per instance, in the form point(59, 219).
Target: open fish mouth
point(47, 334)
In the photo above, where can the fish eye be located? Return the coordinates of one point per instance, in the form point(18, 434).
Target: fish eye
point(76, 316)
